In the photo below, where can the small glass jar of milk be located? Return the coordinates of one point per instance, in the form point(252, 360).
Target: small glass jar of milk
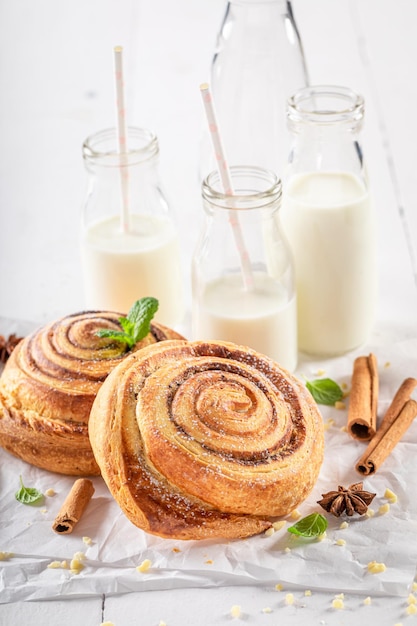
point(131, 253)
point(328, 217)
point(253, 305)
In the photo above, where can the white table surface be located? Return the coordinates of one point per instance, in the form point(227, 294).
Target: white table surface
point(56, 88)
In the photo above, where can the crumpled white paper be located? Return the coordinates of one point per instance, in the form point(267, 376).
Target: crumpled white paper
point(118, 547)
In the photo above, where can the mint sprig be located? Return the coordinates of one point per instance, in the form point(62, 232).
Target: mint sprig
point(136, 325)
point(28, 495)
point(313, 525)
point(325, 391)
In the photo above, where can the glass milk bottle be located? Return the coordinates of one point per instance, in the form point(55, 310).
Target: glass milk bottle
point(257, 64)
point(253, 303)
point(131, 253)
point(328, 217)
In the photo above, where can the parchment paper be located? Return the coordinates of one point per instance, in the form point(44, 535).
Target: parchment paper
point(118, 547)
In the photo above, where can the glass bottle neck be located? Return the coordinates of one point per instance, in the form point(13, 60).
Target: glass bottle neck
point(102, 149)
point(253, 188)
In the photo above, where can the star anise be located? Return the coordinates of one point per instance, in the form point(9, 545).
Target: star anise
point(352, 500)
point(7, 346)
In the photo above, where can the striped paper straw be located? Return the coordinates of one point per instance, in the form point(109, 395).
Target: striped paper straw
point(122, 138)
point(227, 183)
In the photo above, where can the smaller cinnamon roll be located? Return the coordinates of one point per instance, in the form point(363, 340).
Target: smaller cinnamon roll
point(48, 386)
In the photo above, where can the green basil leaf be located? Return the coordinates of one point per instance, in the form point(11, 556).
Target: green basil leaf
point(28, 495)
point(313, 525)
point(325, 391)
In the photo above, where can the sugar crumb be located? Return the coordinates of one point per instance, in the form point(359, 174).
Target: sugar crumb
point(269, 532)
point(144, 566)
point(279, 525)
point(391, 496)
point(50, 493)
point(384, 508)
point(411, 599)
point(289, 598)
point(339, 405)
point(343, 525)
point(376, 568)
point(340, 542)
point(295, 514)
point(367, 601)
point(279, 587)
point(411, 609)
point(267, 609)
point(307, 592)
point(236, 611)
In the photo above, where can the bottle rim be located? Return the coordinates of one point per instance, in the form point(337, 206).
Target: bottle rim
point(268, 188)
point(102, 147)
point(325, 104)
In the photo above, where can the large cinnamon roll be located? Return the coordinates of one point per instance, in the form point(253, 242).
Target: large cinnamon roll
point(48, 386)
point(205, 439)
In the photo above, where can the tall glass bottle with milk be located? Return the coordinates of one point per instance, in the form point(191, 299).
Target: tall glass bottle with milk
point(328, 217)
point(131, 253)
point(257, 64)
point(243, 287)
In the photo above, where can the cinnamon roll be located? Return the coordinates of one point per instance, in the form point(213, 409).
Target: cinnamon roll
point(48, 386)
point(205, 439)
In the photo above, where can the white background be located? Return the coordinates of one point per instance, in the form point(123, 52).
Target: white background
point(56, 88)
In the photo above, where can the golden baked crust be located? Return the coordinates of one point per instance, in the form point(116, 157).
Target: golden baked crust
point(48, 386)
point(205, 439)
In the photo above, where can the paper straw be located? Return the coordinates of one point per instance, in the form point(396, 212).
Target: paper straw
point(227, 183)
point(122, 138)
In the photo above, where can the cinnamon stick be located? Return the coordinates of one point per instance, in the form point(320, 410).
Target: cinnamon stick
point(363, 398)
point(73, 507)
point(399, 416)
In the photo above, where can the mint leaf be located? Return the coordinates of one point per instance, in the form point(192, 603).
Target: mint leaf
point(136, 325)
point(28, 495)
point(325, 391)
point(313, 525)
point(140, 316)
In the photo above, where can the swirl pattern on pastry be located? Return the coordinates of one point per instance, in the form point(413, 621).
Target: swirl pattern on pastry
point(49, 384)
point(205, 439)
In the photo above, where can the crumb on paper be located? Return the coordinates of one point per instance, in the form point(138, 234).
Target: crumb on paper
point(176, 549)
point(279, 587)
point(387, 364)
point(307, 592)
point(106, 624)
point(322, 537)
point(369, 513)
point(162, 623)
point(269, 532)
point(384, 508)
point(344, 386)
point(339, 405)
point(414, 586)
point(295, 514)
point(343, 525)
point(77, 563)
point(236, 611)
point(58, 565)
point(209, 562)
point(338, 603)
point(320, 372)
point(88, 541)
point(287, 550)
point(376, 568)
point(267, 609)
point(411, 599)
point(44, 511)
point(50, 493)
point(391, 496)
point(367, 601)
point(279, 525)
point(5, 555)
point(329, 423)
point(144, 566)
point(411, 609)
point(289, 598)
point(340, 542)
